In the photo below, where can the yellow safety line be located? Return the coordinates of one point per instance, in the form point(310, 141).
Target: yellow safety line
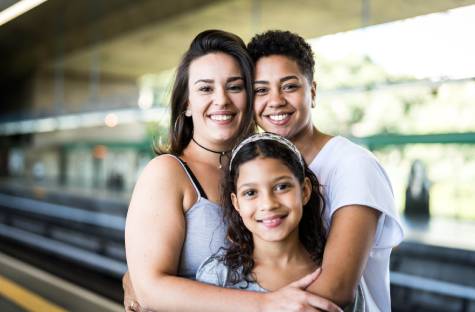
point(25, 298)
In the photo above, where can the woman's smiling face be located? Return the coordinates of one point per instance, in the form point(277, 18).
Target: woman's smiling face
point(283, 96)
point(217, 99)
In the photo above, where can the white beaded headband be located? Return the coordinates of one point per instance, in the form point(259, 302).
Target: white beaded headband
point(266, 136)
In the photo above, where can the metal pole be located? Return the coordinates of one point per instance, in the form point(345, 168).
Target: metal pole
point(365, 12)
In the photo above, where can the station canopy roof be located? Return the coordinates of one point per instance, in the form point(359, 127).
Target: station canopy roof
point(130, 38)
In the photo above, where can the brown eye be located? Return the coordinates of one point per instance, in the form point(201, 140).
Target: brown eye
point(248, 193)
point(205, 89)
point(290, 87)
point(282, 186)
point(260, 90)
point(236, 88)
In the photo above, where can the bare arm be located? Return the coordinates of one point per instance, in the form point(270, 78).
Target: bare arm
point(349, 242)
point(154, 236)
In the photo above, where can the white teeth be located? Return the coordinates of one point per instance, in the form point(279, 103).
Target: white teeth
point(270, 221)
point(278, 117)
point(221, 117)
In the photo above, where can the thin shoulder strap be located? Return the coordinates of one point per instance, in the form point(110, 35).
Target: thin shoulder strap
point(196, 184)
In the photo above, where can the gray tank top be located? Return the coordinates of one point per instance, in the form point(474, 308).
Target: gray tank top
point(205, 229)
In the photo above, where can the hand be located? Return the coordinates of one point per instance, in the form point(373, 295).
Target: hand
point(130, 301)
point(294, 298)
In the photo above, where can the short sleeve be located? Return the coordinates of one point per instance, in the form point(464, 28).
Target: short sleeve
point(358, 304)
point(361, 180)
point(212, 271)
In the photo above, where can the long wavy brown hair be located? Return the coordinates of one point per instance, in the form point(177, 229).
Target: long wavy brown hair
point(238, 255)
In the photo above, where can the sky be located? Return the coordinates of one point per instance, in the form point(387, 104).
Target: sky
point(435, 46)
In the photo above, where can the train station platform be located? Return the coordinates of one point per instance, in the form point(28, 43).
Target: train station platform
point(27, 288)
point(441, 232)
point(431, 270)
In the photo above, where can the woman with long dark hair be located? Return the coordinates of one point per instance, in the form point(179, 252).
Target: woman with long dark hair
point(174, 222)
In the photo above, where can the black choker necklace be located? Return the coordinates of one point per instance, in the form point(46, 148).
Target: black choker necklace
point(221, 154)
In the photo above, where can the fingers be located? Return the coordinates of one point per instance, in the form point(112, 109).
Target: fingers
point(295, 299)
point(132, 307)
point(323, 304)
point(130, 302)
point(305, 281)
point(125, 279)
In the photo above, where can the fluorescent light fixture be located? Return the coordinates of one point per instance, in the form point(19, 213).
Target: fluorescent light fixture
point(18, 9)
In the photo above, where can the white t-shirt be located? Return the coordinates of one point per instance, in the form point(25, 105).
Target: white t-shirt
point(351, 175)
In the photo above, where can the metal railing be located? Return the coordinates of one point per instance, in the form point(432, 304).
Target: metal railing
point(90, 238)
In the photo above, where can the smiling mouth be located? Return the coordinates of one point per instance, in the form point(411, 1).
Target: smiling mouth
point(278, 119)
point(273, 221)
point(221, 117)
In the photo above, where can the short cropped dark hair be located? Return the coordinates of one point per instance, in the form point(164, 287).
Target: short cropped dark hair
point(286, 43)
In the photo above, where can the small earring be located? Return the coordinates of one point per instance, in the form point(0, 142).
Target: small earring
point(188, 113)
point(313, 104)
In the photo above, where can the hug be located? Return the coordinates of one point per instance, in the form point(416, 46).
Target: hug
point(228, 219)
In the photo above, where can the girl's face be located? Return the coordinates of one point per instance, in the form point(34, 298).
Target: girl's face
point(217, 99)
point(270, 199)
point(283, 96)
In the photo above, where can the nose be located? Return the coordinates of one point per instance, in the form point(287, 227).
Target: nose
point(268, 202)
point(220, 97)
point(276, 99)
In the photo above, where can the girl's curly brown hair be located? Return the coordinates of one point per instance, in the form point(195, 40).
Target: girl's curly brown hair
point(238, 255)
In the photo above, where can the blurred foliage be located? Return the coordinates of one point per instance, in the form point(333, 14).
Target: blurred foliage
point(354, 71)
point(157, 134)
point(160, 84)
point(357, 97)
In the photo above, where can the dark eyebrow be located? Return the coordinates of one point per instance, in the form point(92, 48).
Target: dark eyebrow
point(231, 79)
point(245, 185)
point(282, 178)
point(288, 78)
point(204, 80)
point(283, 79)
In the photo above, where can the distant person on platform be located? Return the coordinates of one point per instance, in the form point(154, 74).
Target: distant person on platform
point(417, 193)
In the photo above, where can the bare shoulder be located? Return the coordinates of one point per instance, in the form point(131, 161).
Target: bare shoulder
point(163, 171)
point(163, 166)
point(163, 180)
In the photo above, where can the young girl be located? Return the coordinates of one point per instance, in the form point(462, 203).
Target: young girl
point(274, 210)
